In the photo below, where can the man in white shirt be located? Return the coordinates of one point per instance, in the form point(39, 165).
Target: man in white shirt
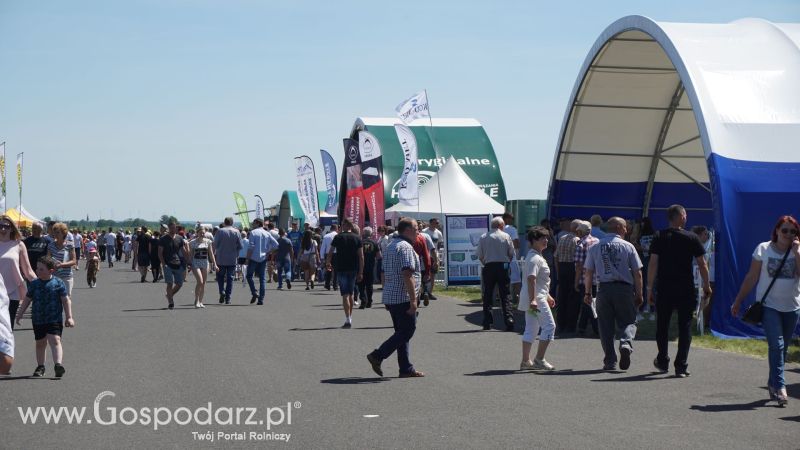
point(436, 237)
point(111, 244)
point(325, 248)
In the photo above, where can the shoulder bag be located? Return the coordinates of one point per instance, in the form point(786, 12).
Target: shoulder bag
point(755, 312)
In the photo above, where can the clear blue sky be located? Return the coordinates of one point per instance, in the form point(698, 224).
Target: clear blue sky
point(141, 108)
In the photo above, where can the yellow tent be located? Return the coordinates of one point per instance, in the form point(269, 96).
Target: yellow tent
point(24, 219)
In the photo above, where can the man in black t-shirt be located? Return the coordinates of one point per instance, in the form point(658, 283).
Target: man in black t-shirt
point(36, 244)
point(670, 286)
point(371, 254)
point(349, 266)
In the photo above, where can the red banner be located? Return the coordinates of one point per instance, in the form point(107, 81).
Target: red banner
point(354, 201)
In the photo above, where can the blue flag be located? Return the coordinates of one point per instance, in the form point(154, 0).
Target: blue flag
point(329, 167)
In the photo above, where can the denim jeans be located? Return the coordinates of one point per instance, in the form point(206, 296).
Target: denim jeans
point(778, 328)
point(284, 268)
point(616, 317)
point(404, 327)
point(225, 280)
point(260, 270)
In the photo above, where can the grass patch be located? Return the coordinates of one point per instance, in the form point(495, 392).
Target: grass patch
point(647, 330)
point(470, 294)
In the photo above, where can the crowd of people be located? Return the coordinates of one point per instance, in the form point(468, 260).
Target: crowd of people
point(603, 275)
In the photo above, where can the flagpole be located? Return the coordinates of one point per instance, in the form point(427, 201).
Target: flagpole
point(430, 136)
point(19, 176)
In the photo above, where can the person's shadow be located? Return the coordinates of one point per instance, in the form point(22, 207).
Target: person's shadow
point(353, 380)
point(752, 406)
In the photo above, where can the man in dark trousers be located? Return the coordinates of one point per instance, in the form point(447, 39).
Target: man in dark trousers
point(670, 286)
point(495, 251)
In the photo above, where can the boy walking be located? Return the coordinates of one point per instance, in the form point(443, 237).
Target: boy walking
point(50, 301)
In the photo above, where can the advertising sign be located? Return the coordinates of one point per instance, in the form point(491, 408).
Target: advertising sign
point(461, 243)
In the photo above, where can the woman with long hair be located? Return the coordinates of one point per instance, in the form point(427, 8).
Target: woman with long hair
point(309, 258)
point(776, 271)
point(14, 264)
point(63, 252)
point(142, 252)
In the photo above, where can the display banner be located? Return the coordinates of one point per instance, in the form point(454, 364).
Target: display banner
point(372, 177)
point(307, 189)
point(354, 202)
point(408, 185)
point(241, 209)
point(329, 166)
point(259, 208)
point(462, 235)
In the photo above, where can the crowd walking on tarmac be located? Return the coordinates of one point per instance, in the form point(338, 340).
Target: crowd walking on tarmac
point(590, 278)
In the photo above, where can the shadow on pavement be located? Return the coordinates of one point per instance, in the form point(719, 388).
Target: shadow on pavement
point(25, 377)
point(752, 406)
point(353, 380)
point(791, 419)
point(340, 328)
point(642, 377)
point(476, 330)
point(573, 372)
point(492, 373)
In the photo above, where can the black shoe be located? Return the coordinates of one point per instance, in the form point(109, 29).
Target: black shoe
point(510, 327)
point(155, 280)
point(260, 303)
point(308, 288)
point(375, 362)
point(39, 372)
point(59, 370)
point(143, 280)
point(362, 306)
point(683, 374)
point(227, 302)
point(222, 298)
point(253, 300)
point(288, 284)
point(312, 285)
point(369, 304)
point(662, 368)
point(609, 368)
point(171, 305)
point(625, 357)
point(487, 326)
point(347, 325)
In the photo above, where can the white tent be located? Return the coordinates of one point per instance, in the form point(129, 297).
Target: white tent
point(450, 191)
point(705, 115)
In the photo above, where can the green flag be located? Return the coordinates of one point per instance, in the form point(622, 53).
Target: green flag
point(241, 209)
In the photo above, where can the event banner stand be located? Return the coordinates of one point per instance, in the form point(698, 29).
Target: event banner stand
point(463, 232)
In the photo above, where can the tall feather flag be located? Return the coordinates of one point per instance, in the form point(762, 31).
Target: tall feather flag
point(372, 177)
point(408, 189)
point(351, 174)
point(329, 166)
point(307, 189)
point(3, 173)
point(241, 209)
point(19, 176)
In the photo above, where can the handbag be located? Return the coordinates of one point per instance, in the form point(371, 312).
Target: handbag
point(755, 313)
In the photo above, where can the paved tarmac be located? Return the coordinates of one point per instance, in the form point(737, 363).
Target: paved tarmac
point(290, 357)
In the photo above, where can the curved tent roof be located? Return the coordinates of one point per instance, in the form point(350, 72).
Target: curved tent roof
point(451, 191)
point(21, 217)
point(465, 139)
point(289, 208)
point(705, 115)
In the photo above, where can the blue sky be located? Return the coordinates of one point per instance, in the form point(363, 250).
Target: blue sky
point(142, 108)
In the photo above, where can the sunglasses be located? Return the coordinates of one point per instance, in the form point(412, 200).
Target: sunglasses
point(791, 231)
point(5, 226)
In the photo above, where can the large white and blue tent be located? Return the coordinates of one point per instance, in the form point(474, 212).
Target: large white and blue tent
point(704, 115)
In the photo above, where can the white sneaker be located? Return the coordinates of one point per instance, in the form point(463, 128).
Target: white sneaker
point(527, 365)
point(542, 364)
point(639, 317)
point(652, 317)
point(197, 306)
point(202, 305)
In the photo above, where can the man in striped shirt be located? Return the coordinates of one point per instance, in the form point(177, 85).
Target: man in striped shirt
point(565, 269)
point(402, 282)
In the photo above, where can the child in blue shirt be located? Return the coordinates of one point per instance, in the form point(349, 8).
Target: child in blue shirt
point(50, 301)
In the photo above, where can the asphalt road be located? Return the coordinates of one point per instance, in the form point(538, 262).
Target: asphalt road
point(290, 357)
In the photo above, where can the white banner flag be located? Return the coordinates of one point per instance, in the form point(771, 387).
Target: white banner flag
point(408, 188)
point(307, 189)
point(414, 108)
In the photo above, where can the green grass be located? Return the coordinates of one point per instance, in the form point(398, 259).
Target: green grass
point(647, 330)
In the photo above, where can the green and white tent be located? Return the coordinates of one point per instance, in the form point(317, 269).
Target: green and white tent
point(289, 209)
point(464, 139)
